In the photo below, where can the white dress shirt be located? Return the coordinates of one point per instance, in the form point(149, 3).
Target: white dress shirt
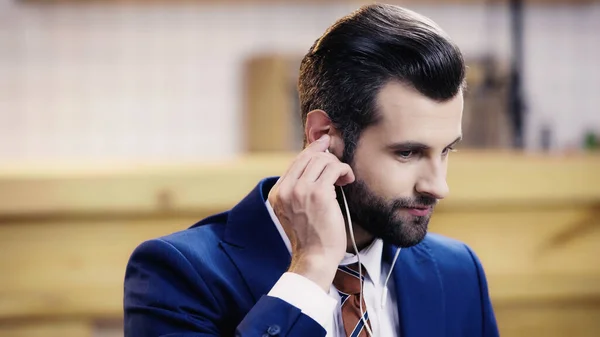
point(325, 308)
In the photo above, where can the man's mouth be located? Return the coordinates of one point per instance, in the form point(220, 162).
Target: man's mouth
point(419, 210)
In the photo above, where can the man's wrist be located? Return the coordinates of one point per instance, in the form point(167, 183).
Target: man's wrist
point(307, 296)
point(318, 269)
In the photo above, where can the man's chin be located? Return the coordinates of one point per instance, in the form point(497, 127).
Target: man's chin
point(404, 242)
point(408, 236)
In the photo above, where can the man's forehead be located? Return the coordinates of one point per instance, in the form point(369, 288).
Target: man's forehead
point(405, 113)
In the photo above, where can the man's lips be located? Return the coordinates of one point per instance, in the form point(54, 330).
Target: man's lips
point(419, 211)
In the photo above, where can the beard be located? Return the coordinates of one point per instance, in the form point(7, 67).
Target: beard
point(381, 217)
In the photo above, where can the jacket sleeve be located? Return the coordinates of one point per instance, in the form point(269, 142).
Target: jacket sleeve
point(165, 296)
point(489, 324)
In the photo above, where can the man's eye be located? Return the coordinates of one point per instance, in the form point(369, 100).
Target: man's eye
point(405, 154)
point(448, 149)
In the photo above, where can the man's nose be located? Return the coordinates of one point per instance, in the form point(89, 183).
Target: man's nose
point(432, 182)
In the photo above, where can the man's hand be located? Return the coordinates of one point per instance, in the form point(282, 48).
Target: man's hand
point(305, 203)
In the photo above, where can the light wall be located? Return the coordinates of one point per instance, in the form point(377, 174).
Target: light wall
point(157, 83)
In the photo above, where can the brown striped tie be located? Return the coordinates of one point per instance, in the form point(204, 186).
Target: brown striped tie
point(347, 282)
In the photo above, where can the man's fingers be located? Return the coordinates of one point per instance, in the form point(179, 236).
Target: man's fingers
point(345, 179)
point(297, 168)
point(320, 145)
point(316, 166)
point(337, 173)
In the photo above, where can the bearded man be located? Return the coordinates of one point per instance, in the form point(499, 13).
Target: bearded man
point(338, 244)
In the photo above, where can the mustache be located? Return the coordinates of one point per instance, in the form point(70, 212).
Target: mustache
point(420, 201)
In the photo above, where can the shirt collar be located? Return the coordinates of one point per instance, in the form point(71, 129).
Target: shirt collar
point(370, 257)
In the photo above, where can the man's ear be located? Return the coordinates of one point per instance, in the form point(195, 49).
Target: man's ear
point(319, 124)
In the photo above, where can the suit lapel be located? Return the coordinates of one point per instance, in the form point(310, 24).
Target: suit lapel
point(419, 291)
point(253, 243)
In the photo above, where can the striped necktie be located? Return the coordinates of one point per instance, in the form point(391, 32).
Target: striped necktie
point(347, 282)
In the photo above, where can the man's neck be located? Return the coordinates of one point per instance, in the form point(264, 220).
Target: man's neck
point(362, 237)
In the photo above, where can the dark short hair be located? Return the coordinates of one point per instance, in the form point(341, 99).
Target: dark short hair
point(347, 66)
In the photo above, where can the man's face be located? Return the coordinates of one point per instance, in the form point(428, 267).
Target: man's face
point(400, 164)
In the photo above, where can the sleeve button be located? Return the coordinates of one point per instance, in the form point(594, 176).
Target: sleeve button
point(274, 330)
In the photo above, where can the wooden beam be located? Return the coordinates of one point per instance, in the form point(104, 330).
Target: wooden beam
point(476, 179)
point(549, 321)
point(47, 329)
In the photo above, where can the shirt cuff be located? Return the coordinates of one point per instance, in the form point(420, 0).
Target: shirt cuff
point(305, 295)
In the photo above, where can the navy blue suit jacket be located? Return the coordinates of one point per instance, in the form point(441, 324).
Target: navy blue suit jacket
point(212, 280)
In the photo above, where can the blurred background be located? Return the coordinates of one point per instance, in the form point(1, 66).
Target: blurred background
point(122, 121)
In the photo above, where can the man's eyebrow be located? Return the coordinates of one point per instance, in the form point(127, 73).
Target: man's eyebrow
point(456, 141)
point(408, 146)
point(417, 146)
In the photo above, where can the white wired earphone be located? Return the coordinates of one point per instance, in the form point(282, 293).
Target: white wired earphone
point(384, 294)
